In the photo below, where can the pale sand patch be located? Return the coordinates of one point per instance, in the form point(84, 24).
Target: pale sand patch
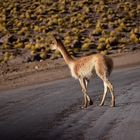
point(18, 75)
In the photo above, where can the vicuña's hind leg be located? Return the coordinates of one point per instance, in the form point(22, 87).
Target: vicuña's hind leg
point(104, 95)
point(102, 74)
point(111, 89)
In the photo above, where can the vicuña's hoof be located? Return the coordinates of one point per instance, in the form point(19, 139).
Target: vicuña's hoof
point(90, 102)
point(113, 105)
point(101, 104)
point(83, 107)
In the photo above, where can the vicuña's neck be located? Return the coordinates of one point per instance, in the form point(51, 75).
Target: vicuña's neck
point(67, 57)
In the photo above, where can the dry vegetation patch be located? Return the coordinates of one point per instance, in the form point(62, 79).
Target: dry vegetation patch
point(104, 26)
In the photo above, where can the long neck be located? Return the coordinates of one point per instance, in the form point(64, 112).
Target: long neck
point(67, 57)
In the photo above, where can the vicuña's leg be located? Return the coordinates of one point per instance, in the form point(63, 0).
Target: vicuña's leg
point(102, 74)
point(111, 89)
point(90, 102)
point(84, 90)
point(104, 95)
point(87, 99)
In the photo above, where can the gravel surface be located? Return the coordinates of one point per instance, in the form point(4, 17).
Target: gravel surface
point(51, 111)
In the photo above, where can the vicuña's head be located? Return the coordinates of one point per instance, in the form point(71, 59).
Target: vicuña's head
point(56, 44)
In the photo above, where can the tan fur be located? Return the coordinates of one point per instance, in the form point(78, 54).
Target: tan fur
point(84, 67)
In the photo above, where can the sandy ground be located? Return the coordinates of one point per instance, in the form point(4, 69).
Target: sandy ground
point(51, 111)
point(15, 74)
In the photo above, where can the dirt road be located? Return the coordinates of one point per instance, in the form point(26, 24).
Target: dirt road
point(52, 111)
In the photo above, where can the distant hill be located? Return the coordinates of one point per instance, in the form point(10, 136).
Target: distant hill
point(106, 26)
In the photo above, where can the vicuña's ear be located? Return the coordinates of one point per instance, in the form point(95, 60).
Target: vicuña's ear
point(54, 39)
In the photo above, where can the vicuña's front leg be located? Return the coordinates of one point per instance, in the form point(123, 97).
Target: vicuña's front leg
point(87, 100)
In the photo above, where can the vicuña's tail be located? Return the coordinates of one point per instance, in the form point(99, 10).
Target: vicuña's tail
point(103, 66)
point(109, 64)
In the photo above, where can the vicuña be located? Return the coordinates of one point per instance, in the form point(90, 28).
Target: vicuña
point(84, 67)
